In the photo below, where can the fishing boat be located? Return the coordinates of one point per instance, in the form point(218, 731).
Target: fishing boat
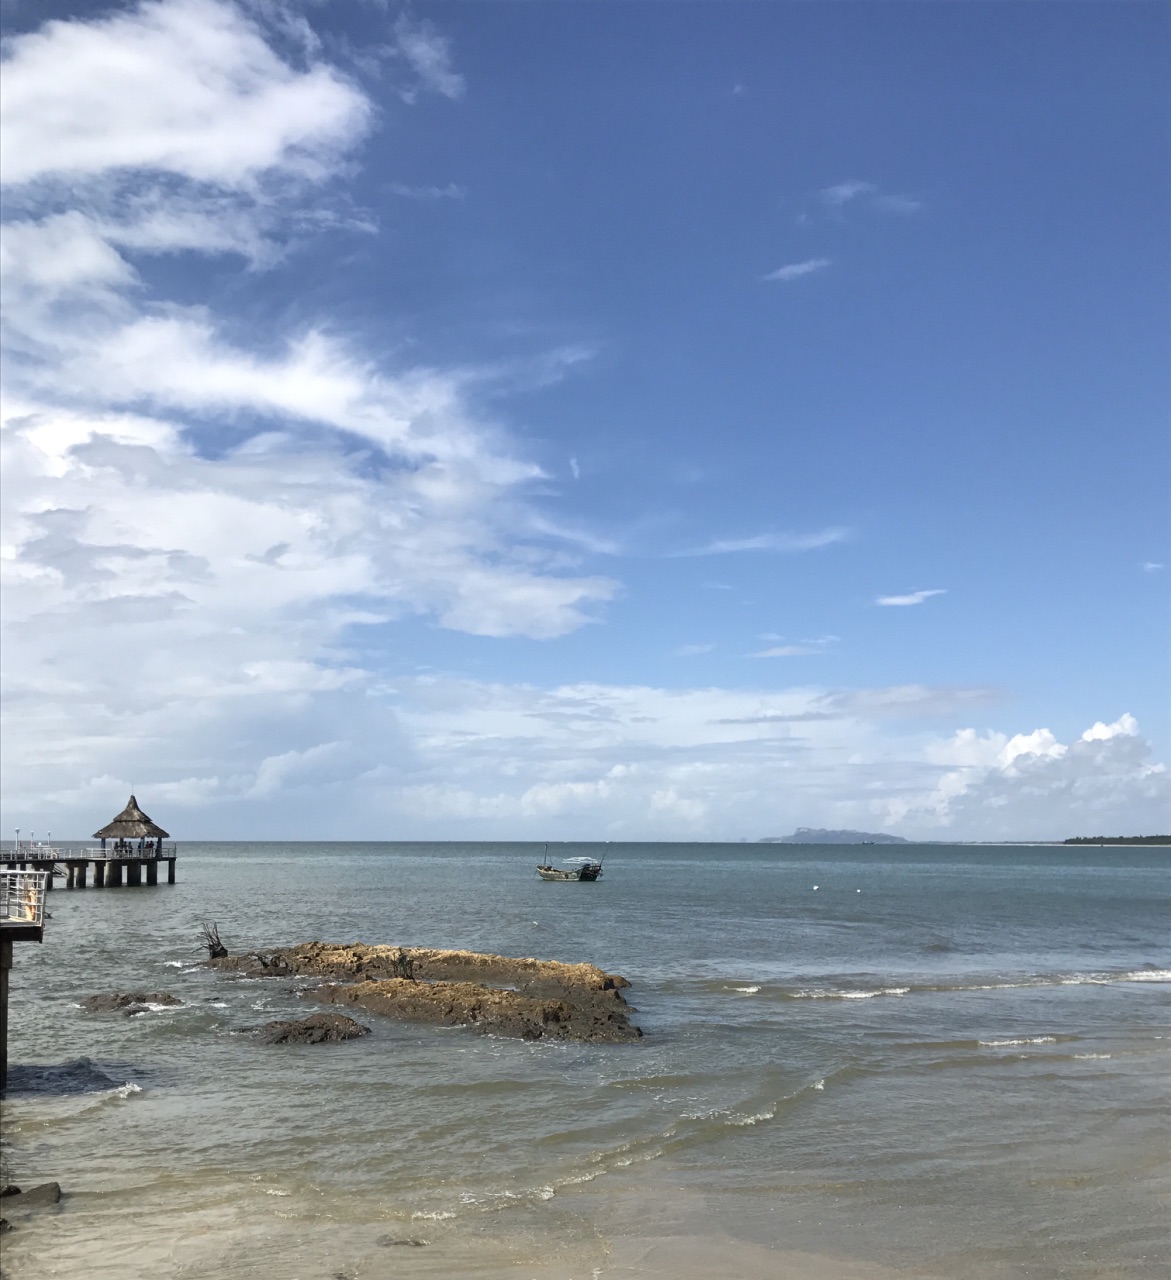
point(570, 869)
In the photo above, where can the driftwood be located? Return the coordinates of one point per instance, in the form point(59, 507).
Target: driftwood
point(211, 940)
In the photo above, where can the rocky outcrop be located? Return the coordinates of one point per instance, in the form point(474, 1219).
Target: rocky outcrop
point(318, 1028)
point(128, 1002)
point(459, 1004)
point(525, 997)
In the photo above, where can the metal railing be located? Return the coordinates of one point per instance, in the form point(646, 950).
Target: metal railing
point(49, 854)
point(22, 897)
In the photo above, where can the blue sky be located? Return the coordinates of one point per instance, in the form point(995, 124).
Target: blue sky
point(587, 420)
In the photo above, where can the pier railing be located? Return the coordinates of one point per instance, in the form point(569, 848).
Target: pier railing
point(22, 898)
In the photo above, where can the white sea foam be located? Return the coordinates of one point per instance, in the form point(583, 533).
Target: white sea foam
point(174, 964)
point(849, 995)
point(124, 1091)
point(435, 1215)
point(1012, 1044)
point(270, 1191)
point(746, 991)
point(819, 1084)
point(1092, 1056)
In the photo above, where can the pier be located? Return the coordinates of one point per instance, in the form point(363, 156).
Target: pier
point(94, 867)
point(133, 859)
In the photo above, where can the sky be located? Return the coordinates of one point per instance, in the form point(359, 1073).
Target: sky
point(597, 421)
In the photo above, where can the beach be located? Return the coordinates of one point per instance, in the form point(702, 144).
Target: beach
point(857, 1063)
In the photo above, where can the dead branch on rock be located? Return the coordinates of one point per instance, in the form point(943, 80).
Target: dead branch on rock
point(211, 940)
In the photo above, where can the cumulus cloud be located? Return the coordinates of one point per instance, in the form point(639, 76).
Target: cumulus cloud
point(795, 270)
point(1033, 786)
point(185, 87)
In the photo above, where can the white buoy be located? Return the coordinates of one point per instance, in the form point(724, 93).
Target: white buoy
point(816, 887)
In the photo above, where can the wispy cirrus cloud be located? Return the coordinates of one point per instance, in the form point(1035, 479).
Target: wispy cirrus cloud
point(779, 542)
point(428, 54)
point(912, 597)
point(795, 270)
point(796, 649)
point(843, 192)
point(452, 191)
point(855, 191)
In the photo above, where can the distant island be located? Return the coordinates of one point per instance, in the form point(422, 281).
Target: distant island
point(819, 835)
point(1118, 840)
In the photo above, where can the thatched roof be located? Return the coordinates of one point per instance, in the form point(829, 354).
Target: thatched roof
point(130, 824)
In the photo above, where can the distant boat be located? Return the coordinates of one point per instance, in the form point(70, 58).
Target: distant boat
point(570, 869)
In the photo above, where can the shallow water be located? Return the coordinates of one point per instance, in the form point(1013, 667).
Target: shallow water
point(948, 1060)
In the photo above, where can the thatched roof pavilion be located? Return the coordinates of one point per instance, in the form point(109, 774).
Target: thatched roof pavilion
point(131, 824)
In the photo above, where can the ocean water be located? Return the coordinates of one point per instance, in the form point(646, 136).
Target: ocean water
point(947, 1061)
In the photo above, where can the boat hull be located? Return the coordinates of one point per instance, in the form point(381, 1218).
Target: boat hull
point(578, 873)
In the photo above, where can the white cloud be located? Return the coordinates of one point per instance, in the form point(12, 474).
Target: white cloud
point(1032, 786)
point(179, 613)
point(784, 542)
point(691, 650)
point(853, 190)
point(897, 204)
point(913, 597)
point(1125, 726)
point(843, 192)
point(449, 192)
point(800, 649)
point(187, 87)
point(795, 270)
point(1152, 566)
point(428, 54)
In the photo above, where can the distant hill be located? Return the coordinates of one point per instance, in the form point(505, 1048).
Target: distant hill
point(819, 835)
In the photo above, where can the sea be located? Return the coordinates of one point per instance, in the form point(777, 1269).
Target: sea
point(859, 1062)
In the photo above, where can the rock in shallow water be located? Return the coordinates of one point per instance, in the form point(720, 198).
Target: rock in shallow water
point(128, 1001)
point(318, 1028)
point(525, 997)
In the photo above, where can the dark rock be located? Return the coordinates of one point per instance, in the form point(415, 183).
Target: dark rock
point(487, 1009)
point(9, 1190)
point(5, 1225)
point(318, 1028)
point(35, 1197)
point(129, 1002)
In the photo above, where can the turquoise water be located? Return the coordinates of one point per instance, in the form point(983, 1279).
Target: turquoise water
point(949, 1057)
